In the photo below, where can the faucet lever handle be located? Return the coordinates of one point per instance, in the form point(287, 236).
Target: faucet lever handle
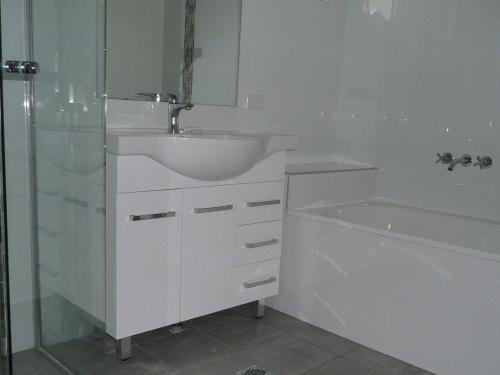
point(445, 158)
point(484, 162)
point(159, 97)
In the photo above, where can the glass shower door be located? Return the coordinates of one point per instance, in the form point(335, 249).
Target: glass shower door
point(55, 173)
point(68, 43)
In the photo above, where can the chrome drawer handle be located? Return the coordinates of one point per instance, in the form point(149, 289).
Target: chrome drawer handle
point(160, 215)
point(253, 245)
point(260, 283)
point(264, 203)
point(227, 207)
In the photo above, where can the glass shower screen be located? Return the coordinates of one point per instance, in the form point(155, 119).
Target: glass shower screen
point(55, 171)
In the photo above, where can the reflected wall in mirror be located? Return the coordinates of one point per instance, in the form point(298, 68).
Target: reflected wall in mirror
point(189, 48)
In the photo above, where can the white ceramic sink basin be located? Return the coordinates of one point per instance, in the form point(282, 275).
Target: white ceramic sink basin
point(209, 156)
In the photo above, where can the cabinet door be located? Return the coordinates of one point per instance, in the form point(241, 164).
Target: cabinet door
point(147, 261)
point(208, 253)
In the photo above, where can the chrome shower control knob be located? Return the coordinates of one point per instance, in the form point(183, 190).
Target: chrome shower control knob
point(445, 158)
point(484, 162)
point(467, 160)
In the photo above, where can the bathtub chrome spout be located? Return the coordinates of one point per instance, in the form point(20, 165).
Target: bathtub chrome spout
point(465, 160)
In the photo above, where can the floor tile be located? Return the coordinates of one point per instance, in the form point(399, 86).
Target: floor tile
point(287, 355)
point(141, 363)
point(189, 348)
point(236, 330)
point(411, 370)
point(380, 363)
point(339, 366)
point(229, 364)
point(326, 340)
point(287, 323)
point(31, 362)
point(53, 371)
point(150, 335)
point(75, 351)
point(284, 355)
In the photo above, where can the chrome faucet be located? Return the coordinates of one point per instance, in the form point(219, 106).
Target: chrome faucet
point(174, 108)
point(445, 158)
point(484, 162)
point(465, 160)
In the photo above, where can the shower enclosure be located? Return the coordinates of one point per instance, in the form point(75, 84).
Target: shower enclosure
point(53, 217)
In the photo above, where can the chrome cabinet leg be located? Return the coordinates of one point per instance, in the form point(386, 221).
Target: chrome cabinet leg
point(261, 308)
point(124, 348)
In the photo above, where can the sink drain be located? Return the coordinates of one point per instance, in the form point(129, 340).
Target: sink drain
point(254, 370)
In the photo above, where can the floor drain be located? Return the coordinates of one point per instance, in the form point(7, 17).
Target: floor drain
point(254, 370)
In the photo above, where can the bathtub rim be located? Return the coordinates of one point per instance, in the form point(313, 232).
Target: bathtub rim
point(481, 254)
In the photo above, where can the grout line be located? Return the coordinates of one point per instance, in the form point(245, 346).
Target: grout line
point(237, 350)
point(168, 366)
point(360, 364)
point(321, 364)
point(328, 350)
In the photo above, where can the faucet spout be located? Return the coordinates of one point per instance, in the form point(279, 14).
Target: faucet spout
point(465, 160)
point(174, 110)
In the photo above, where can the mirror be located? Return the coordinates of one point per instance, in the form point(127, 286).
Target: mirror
point(189, 48)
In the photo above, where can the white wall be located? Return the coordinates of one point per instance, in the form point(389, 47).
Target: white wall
point(426, 80)
point(383, 82)
point(289, 57)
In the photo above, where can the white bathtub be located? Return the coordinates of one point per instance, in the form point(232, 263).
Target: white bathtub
point(419, 285)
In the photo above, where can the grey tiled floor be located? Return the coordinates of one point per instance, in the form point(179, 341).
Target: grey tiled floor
point(226, 342)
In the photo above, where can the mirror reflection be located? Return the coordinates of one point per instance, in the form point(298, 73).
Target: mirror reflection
point(189, 48)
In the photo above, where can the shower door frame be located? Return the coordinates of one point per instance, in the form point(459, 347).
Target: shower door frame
point(29, 122)
point(5, 344)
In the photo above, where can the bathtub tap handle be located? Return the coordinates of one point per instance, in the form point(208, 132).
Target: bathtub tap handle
point(484, 162)
point(445, 158)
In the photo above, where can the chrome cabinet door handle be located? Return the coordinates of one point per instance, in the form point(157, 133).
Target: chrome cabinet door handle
point(206, 210)
point(264, 203)
point(161, 215)
point(254, 245)
point(260, 283)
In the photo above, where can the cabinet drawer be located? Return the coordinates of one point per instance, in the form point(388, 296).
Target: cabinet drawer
point(258, 242)
point(260, 202)
point(256, 281)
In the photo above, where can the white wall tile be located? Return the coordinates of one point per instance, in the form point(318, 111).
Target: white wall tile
point(435, 308)
point(331, 188)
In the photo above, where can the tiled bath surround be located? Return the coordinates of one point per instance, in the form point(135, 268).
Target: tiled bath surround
point(416, 81)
